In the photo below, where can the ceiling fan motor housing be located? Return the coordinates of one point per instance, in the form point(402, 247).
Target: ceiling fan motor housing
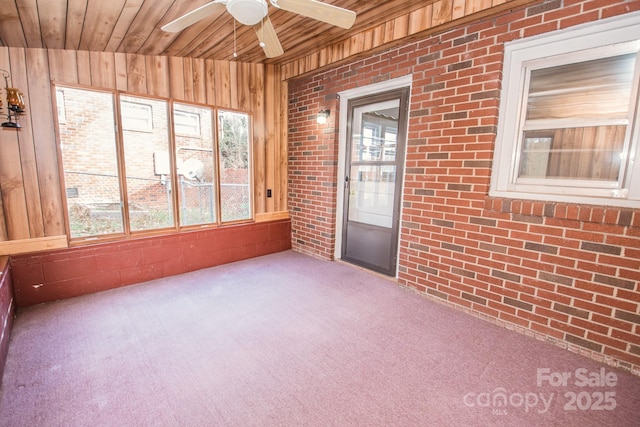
point(247, 12)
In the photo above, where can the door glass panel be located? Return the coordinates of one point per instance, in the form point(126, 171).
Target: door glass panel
point(193, 127)
point(372, 172)
point(377, 137)
point(86, 122)
point(145, 136)
point(371, 196)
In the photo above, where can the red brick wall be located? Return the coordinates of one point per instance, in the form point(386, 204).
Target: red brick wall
point(89, 122)
point(313, 153)
point(66, 273)
point(565, 273)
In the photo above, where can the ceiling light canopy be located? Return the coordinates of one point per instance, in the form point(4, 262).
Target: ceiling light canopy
point(248, 12)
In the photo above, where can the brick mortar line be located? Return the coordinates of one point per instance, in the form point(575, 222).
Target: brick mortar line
point(599, 357)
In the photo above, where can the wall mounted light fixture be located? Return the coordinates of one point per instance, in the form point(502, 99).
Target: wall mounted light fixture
point(323, 116)
point(15, 103)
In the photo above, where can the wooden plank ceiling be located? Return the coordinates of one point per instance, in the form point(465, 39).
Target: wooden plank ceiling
point(133, 26)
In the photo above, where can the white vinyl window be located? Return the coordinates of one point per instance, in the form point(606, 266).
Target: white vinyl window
point(567, 127)
point(186, 123)
point(62, 112)
point(136, 116)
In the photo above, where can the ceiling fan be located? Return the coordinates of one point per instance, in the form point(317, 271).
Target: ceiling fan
point(255, 13)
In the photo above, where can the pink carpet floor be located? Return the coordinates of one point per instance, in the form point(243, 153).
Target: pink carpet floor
point(289, 340)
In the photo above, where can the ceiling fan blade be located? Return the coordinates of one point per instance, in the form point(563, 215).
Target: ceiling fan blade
point(267, 35)
point(319, 11)
point(194, 16)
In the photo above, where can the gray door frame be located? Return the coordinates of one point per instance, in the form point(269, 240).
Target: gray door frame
point(345, 97)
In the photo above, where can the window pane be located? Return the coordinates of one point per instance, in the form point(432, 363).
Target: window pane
point(196, 166)
point(535, 152)
point(379, 133)
point(371, 198)
point(592, 89)
point(148, 175)
point(90, 163)
point(590, 153)
point(235, 190)
point(576, 120)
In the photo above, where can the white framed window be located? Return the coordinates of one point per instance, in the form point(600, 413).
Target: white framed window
point(186, 123)
point(568, 123)
point(61, 108)
point(136, 116)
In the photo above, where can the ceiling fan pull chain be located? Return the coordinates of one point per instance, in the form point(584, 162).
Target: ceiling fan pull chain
point(235, 49)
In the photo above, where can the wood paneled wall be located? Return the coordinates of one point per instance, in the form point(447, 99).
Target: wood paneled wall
point(32, 215)
point(435, 16)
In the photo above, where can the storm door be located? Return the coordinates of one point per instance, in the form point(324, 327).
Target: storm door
point(376, 133)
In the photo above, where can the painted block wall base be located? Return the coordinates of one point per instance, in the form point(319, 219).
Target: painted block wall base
point(66, 273)
point(6, 311)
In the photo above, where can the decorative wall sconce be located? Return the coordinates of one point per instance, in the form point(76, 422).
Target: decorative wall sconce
point(323, 116)
point(15, 103)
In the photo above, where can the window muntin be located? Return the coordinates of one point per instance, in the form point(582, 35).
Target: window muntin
point(234, 162)
point(550, 128)
point(148, 192)
point(120, 181)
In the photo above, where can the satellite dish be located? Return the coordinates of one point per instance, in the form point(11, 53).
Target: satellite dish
point(192, 169)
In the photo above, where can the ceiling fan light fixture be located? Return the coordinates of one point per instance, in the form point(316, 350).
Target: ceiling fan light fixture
point(248, 12)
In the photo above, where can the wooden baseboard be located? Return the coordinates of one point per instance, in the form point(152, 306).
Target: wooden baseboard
point(14, 247)
point(272, 216)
